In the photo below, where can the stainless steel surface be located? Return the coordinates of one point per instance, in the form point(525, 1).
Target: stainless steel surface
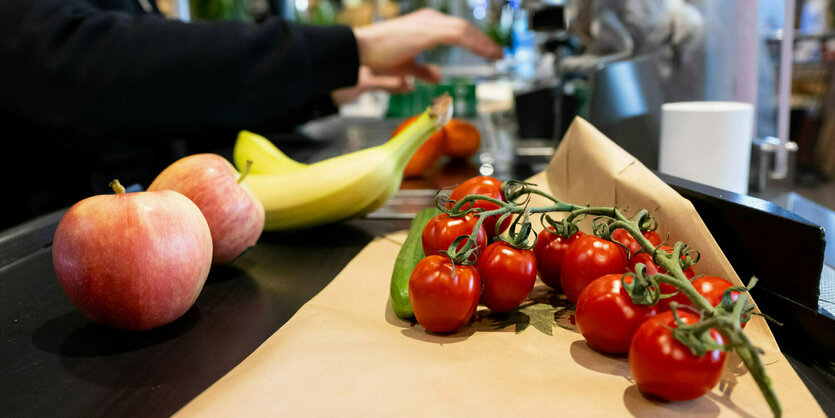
point(405, 204)
point(765, 160)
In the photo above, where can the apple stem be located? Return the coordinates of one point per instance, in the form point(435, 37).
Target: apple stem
point(117, 187)
point(245, 172)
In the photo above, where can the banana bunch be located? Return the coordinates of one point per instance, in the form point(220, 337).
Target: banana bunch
point(297, 195)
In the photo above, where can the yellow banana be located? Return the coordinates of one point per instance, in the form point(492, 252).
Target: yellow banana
point(254, 147)
point(266, 158)
point(339, 188)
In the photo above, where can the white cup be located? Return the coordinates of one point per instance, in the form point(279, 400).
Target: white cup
point(707, 142)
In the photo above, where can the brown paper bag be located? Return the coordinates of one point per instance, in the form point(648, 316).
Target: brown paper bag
point(345, 354)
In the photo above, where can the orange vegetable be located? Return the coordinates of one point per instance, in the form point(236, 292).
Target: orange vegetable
point(427, 155)
point(458, 139)
point(462, 139)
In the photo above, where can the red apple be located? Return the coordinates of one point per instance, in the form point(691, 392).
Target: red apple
point(234, 214)
point(133, 260)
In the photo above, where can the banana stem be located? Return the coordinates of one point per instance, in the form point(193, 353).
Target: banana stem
point(117, 187)
point(407, 142)
point(247, 169)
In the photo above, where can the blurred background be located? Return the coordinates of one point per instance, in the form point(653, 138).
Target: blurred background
point(613, 62)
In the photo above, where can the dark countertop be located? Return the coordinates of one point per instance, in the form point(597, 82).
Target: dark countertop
point(56, 362)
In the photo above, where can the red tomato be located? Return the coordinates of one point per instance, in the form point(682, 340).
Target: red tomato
point(588, 258)
point(711, 287)
point(664, 367)
point(487, 186)
point(624, 237)
point(508, 274)
point(443, 298)
point(442, 230)
point(606, 316)
point(653, 268)
point(550, 251)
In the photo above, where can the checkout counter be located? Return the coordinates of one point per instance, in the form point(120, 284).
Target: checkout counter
point(56, 362)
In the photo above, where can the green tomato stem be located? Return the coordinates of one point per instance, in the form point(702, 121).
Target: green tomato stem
point(699, 301)
point(695, 336)
point(475, 197)
point(750, 357)
point(670, 263)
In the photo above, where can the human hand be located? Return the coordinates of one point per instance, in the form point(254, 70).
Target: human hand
point(368, 80)
point(391, 46)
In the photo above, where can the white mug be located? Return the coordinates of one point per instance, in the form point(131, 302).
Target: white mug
point(708, 142)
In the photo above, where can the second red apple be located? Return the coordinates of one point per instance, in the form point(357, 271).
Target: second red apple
point(234, 214)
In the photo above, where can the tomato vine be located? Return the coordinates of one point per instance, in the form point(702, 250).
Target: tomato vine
point(644, 289)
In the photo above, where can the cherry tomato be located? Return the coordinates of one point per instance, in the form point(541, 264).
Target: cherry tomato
point(508, 274)
point(624, 237)
point(550, 251)
point(711, 287)
point(606, 316)
point(442, 230)
point(487, 186)
point(665, 368)
point(653, 268)
point(444, 297)
point(588, 258)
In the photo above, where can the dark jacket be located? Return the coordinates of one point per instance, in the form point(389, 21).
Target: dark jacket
point(92, 90)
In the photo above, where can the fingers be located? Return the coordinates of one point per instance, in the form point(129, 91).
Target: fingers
point(461, 33)
point(392, 45)
point(452, 30)
point(391, 84)
point(367, 80)
point(430, 73)
point(426, 72)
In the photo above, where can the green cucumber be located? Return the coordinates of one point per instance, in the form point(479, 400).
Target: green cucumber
point(410, 254)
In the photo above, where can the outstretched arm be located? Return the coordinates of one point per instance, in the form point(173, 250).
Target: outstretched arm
point(70, 66)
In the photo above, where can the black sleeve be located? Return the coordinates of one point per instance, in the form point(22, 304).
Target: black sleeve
point(288, 121)
point(72, 67)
